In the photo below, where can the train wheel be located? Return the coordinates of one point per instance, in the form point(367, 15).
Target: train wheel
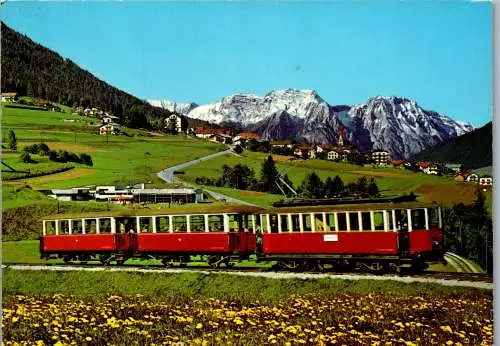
point(166, 261)
point(310, 266)
point(105, 259)
point(67, 259)
point(378, 267)
point(293, 265)
point(120, 262)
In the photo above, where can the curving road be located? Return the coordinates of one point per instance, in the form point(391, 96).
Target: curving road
point(168, 176)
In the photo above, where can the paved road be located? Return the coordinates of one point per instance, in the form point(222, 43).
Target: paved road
point(168, 176)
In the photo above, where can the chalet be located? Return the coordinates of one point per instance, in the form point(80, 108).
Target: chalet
point(109, 119)
point(176, 120)
point(486, 180)
point(473, 177)
point(428, 167)
point(74, 194)
point(9, 97)
point(455, 167)
point(380, 157)
point(111, 128)
point(333, 155)
point(302, 151)
point(225, 139)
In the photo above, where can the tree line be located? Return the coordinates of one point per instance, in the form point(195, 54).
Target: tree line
point(468, 231)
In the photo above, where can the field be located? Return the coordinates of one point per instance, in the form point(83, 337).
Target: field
point(391, 181)
point(137, 309)
point(125, 159)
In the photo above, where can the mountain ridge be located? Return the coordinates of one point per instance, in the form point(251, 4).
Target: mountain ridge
point(393, 123)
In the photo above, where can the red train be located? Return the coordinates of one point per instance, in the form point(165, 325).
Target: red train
point(377, 237)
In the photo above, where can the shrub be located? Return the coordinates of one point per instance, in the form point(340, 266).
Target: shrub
point(86, 159)
point(238, 149)
point(26, 158)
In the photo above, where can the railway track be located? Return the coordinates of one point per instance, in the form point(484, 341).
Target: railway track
point(446, 276)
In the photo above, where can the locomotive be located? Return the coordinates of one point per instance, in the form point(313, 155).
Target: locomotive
point(377, 237)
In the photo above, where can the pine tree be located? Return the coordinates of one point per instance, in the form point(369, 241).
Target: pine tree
point(373, 188)
point(12, 140)
point(268, 176)
point(312, 186)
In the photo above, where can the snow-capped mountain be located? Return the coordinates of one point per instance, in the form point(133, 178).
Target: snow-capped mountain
point(172, 106)
point(395, 124)
point(398, 125)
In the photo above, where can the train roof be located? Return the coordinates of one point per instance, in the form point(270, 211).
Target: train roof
point(177, 210)
point(241, 209)
point(353, 207)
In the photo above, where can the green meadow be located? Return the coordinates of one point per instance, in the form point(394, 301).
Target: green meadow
point(132, 158)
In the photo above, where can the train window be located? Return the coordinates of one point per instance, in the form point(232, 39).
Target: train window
point(366, 222)
point(179, 224)
point(76, 227)
point(90, 226)
point(145, 224)
point(123, 225)
point(417, 219)
point(295, 223)
point(433, 217)
point(330, 222)
point(306, 222)
point(235, 223)
point(354, 221)
point(104, 225)
point(390, 220)
point(319, 224)
point(63, 227)
point(264, 223)
point(247, 222)
point(342, 221)
point(284, 222)
point(273, 221)
point(216, 223)
point(197, 223)
point(162, 224)
point(401, 219)
point(50, 227)
point(378, 221)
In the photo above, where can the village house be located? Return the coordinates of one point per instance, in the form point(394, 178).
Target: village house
point(302, 151)
point(203, 132)
point(428, 167)
point(282, 143)
point(486, 180)
point(109, 119)
point(110, 128)
point(176, 119)
point(380, 157)
point(9, 97)
point(333, 155)
point(472, 177)
point(225, 139)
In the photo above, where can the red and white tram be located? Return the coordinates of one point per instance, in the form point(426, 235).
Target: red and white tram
point(374, 236)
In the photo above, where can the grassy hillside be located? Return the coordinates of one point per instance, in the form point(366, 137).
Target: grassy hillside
point(473, 149)
point(117, 159)
point(391, 181)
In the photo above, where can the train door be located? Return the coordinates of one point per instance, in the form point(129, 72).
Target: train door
point(402, 227)
point(125, 237)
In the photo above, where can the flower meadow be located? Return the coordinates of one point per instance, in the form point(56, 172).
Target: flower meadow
point(341, 318)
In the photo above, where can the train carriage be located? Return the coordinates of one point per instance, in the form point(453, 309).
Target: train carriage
point(170, 235)
point(375, 236)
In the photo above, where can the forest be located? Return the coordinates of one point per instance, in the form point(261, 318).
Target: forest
point(30, 69)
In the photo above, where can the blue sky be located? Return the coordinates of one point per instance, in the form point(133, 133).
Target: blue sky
point(435, 52)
